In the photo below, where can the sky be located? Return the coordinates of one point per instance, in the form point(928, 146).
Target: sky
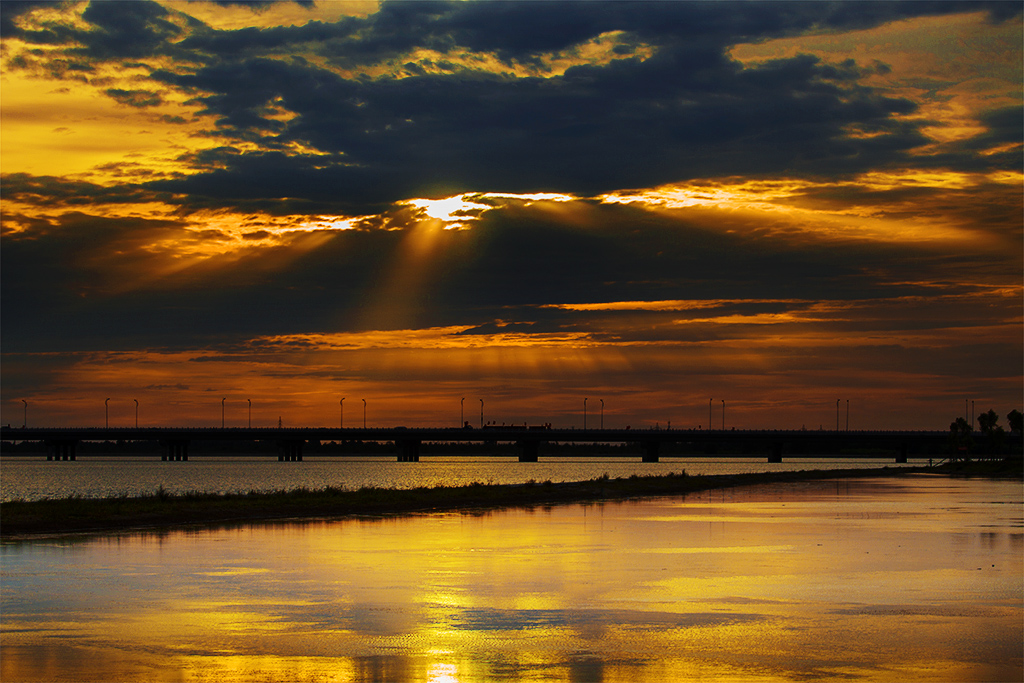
point(763, 215)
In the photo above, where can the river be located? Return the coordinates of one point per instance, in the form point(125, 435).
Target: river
point(98, 476)
point(915, 578)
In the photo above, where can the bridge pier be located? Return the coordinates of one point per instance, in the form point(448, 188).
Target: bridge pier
point(902, 457)
point(61, 449)
point(775, 455)
point(408, 450)
point(651, 451)
point(174, 449)
point(529, 450)
point(290, 450)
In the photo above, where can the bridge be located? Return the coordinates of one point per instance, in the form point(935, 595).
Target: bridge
point(62, 443)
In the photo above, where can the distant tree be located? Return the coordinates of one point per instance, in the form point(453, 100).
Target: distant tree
point(1016, 421)
point(987, 421)
point(960, 437)
point(996, 435)
point(960, 427)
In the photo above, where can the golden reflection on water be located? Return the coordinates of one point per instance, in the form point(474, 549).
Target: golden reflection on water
point(874, 580)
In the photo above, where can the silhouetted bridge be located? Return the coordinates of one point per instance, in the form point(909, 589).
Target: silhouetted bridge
point(62, 443)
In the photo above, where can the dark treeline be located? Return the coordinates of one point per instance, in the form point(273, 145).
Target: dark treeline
point(996, 440)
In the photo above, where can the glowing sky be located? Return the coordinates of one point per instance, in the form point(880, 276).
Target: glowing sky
point(778, 205)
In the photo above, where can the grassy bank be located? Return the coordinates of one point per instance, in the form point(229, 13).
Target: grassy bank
point(161, 509)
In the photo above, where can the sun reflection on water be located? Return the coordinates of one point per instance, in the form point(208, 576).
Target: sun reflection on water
point(770, 584)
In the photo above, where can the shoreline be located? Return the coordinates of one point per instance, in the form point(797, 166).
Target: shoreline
point(160, 510)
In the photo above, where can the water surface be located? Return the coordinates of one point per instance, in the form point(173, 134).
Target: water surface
point(99, 477)
point(915, 579)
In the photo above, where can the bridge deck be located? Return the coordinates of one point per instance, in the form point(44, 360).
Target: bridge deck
point(452, 434)
point(62, 442)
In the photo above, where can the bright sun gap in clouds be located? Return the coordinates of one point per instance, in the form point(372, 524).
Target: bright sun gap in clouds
point(457, 211)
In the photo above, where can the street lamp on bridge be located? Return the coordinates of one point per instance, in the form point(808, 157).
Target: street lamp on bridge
point(462, 412)
point(250, 412)
point(584, 413)
point(106, 413)
point(24, 422)
point(222, 412)
point(481, 413)
point(136, 412)
point(341, 416)
point(709, 413)
point(364, 413)
point(723, 414)
point(602, 412)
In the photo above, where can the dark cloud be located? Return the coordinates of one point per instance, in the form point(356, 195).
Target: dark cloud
point(525, 258)
point(521, 32)
point(94, 276)
point(1004, 127)
point(261, 5)
point(71, 262)
point(11, 11)
point(286, 184)
point(501, 327)
point(686, 111)
point(629, 124)
point(101, 279)
point(986, 209)
point(53, 191)
point(673, 107)
point(135, 98)
point(126, 30)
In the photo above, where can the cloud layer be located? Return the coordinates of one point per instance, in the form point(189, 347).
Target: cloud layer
point(624, 197)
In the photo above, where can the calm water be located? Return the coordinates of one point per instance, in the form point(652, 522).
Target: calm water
point(95, 477)
point(909, 579)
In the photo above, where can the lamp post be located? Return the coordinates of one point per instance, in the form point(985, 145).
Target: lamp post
point(709, 413)
point(462, 412)
point(341, 414)
point(481, 413)
point(24, 422)
point(222, 412)
point(837, 414)
point(136, 412)
point(250, 412)
point(847, 414)
point(723, 414)
point(364, 413)
point(602, 412)
point(584, 413)
point(106, 413)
